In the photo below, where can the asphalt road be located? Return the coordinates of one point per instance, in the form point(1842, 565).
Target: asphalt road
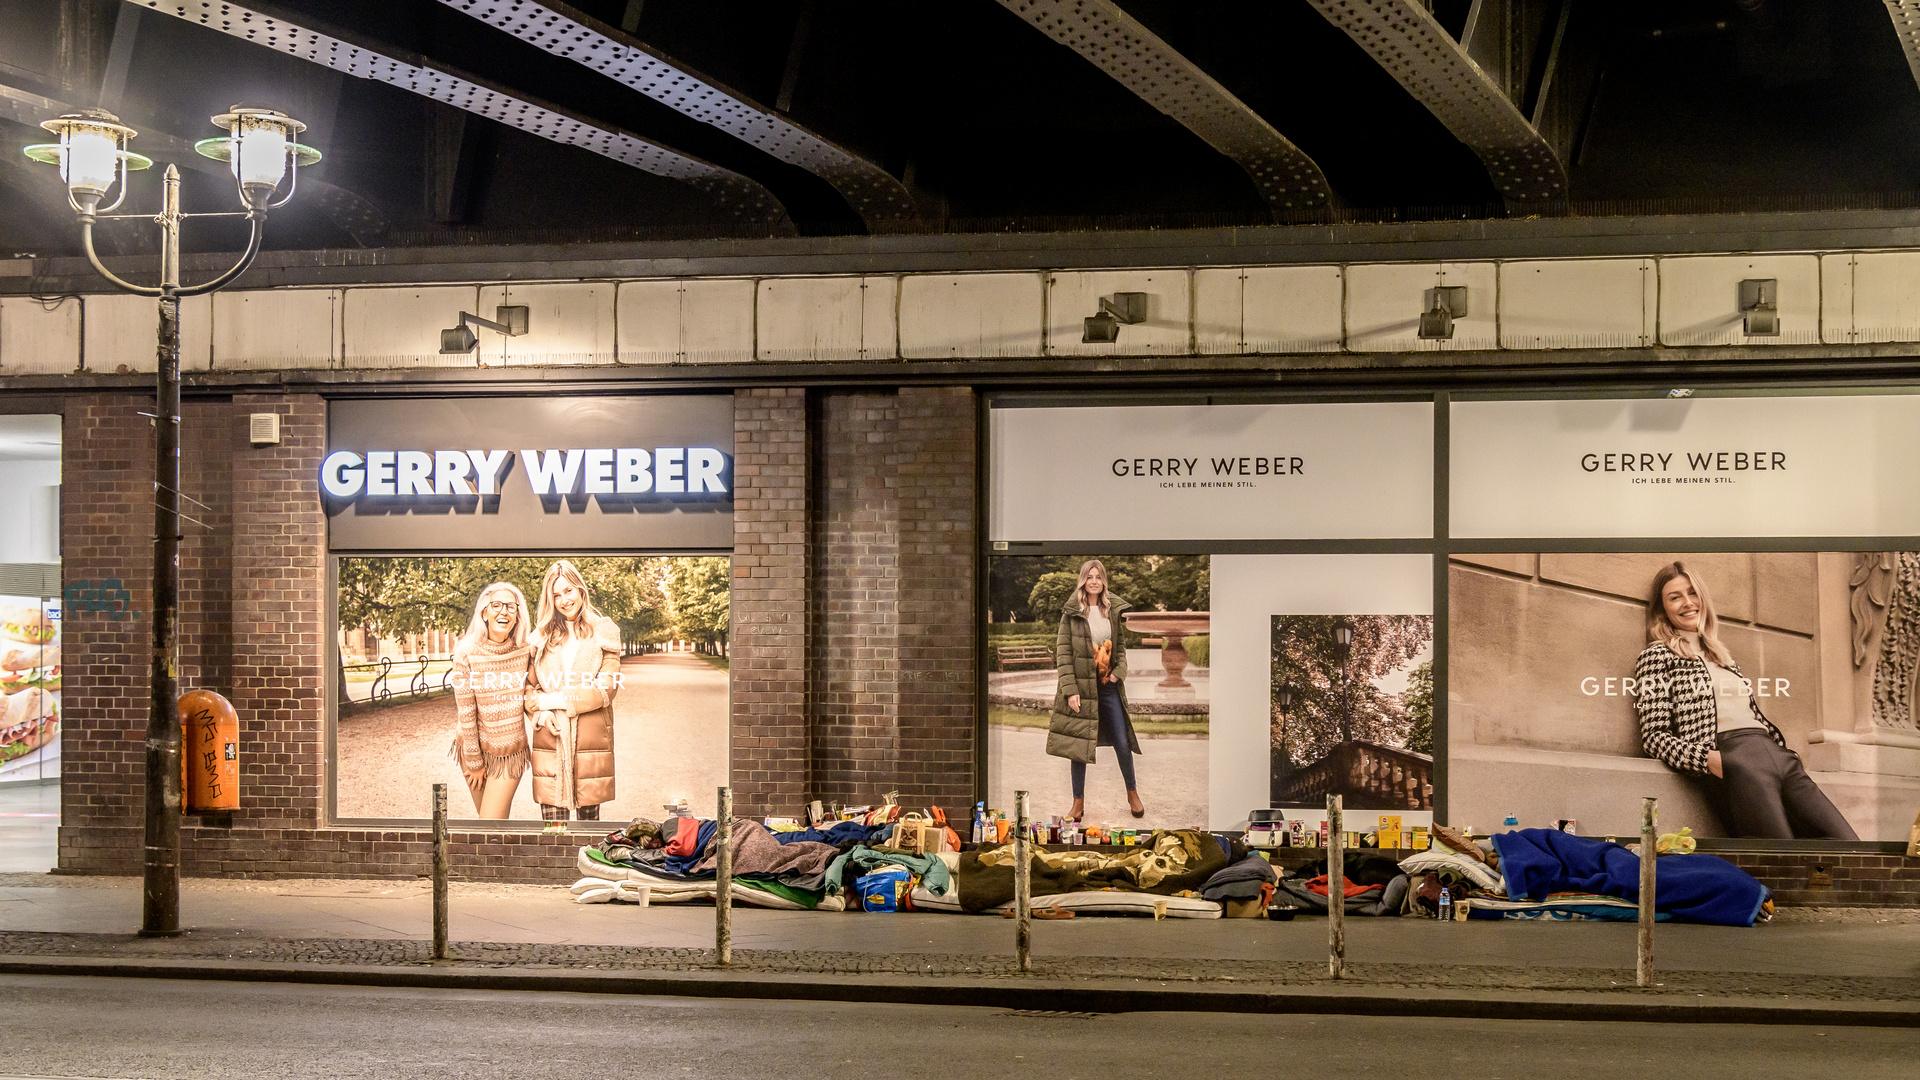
point(83, 1027)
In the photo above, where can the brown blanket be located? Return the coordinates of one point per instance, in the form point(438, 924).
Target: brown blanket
point(755, 851)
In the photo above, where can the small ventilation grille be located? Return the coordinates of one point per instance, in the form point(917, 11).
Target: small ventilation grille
point(263, 429)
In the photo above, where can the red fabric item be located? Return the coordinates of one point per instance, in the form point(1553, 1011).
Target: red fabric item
point(1319, 885)
point(687, 834)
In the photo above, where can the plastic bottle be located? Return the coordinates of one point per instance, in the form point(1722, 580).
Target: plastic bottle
point(1446, 906)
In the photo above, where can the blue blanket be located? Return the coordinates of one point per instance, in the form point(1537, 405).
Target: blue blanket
point(1688, 888)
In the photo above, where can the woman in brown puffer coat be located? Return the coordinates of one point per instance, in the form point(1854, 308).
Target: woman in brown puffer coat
point(1090, 706)
point(576, 669)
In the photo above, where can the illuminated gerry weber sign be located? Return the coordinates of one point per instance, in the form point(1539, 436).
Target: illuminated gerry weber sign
point(406, 474)
point(611, 472)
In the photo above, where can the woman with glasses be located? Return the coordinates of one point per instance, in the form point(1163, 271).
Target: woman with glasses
point(491, 664)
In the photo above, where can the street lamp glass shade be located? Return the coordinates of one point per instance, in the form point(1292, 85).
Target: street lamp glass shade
point(258, 147)
point(91, 150)
point(1284, 697)
point(89, 160)
point(1343, 634)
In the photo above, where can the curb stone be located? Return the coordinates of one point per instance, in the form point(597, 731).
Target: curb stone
point(1112, 997)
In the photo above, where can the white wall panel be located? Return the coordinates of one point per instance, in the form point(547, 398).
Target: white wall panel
point(825, 318)
point(37, 340)
point(1578, 304)
point(1075, 294)
point(945, 316)
point(1293, 309)
point(122, 333)
point(1219, 294)
point(400, 328)
point(567, 323)
point(648, 313)
point(1384, 302)
point(1871, 296)
point(716, 320)
point(276, 329)
point(1700, 298)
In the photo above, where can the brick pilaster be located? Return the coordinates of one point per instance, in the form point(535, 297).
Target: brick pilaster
point(769, 602)
point(279, 619)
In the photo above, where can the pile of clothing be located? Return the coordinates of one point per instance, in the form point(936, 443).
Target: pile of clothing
point(1176, 863)
point(1535, 874)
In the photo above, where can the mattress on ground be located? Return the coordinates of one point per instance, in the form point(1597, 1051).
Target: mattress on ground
point(674, 891)
point(1564, 907)
point(1096, 902)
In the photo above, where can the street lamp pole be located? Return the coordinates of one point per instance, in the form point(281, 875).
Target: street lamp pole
point(1343, 641)
point(92, 155)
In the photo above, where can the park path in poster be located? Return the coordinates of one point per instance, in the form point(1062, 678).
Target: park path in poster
point(670, 725)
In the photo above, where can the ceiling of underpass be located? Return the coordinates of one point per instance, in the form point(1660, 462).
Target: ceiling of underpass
point(852, 117)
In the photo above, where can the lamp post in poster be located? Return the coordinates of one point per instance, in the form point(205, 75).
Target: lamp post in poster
point(93, 158)
point(1343, 641)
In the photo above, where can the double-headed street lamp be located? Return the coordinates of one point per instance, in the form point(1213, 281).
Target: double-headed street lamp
point(93, 158)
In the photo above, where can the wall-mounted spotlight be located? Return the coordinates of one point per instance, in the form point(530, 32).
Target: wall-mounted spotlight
point(1445, 303)
point(1760, 307)
point(1120, 309)
point(459, 339)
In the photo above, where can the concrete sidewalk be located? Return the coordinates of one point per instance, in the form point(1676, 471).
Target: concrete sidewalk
point(1809, 965)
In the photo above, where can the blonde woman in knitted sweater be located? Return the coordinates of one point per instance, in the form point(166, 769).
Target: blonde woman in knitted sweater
point(492, 664)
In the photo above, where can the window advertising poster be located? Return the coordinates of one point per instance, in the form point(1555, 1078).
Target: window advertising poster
point(29, 688)
point(1764, 695)
point(1221, 677)
point(1099, 687)
point(583, 688)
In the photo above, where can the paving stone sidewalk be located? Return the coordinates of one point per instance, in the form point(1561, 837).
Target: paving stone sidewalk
point(1249, 975)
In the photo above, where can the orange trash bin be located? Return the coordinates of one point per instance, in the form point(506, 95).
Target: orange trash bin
point(209, 752)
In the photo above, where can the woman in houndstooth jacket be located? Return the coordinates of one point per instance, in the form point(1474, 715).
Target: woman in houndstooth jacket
point(1698, 714)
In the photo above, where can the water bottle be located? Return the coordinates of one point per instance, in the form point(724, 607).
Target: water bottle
point(1446, 906)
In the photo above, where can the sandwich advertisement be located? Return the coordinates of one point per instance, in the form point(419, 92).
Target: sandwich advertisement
point(29, 688)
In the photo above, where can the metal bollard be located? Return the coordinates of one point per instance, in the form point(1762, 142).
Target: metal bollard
point(1336, 889)
point(1649, 842)
point(439, 871)
point(1022, 884)
point(723, 884)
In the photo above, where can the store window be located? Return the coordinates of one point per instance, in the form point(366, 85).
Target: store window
point(531, 605)
point(1275, 565)
point(1708, 599)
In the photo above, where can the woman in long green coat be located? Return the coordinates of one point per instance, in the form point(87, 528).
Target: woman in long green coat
point(1090, 706)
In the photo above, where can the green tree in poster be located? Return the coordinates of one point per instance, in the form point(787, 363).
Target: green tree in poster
point(1306, 658)
point(697, 591)
point(1419, 704)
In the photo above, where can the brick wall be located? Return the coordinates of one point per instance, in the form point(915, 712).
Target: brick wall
point(768, 614)
point(106, 496)
point(1857, 879)
point(855, 585)
point(893, 586)
point(279, 619)
point(938, 560)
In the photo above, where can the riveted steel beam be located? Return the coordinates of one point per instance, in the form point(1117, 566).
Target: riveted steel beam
point(1119, 45)
point(1403, 37)
point(1906, 24)
point(880, 199)
point(740, 196)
